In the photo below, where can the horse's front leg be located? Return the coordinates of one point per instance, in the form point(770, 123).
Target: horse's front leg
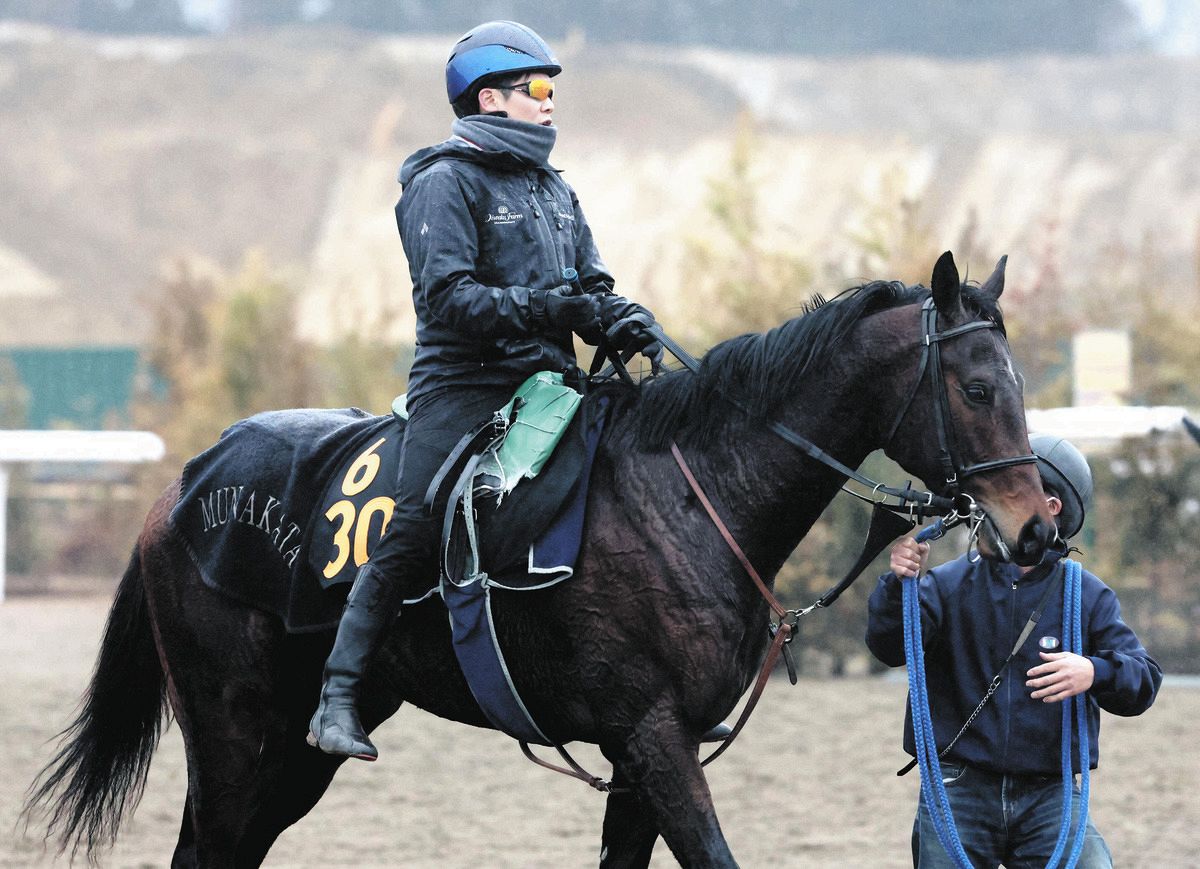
point(629, 828)
point(660, 760)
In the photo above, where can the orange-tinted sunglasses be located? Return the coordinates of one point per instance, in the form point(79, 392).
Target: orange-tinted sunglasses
point(537, 88)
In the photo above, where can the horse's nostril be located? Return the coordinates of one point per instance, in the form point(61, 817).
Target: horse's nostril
point(1033, 539)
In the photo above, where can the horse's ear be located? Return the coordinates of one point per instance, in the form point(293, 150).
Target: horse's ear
point(947, 288)
point(994, 286)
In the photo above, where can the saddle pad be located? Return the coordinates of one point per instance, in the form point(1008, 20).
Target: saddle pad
point(509, 525)
point(279, 513)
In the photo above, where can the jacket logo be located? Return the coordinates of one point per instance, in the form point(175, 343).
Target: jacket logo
point(504, 214)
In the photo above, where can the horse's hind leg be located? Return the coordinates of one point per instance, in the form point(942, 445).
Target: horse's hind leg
point(294, 775)
point(221, 660)
point(185, 847)
point(297, 779)
point(227, 721)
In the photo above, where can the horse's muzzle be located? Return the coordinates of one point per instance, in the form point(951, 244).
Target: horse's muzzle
point(1036, 535)
point(1029, 547)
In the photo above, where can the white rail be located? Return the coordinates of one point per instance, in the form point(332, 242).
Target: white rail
point(68, 446)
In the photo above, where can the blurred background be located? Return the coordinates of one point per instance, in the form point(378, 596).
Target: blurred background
point(196, 224)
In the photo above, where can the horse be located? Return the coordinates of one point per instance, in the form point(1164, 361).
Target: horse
point(611, 657)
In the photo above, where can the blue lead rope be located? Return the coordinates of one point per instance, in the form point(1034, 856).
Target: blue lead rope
point(933, 788)
point(1073, 641)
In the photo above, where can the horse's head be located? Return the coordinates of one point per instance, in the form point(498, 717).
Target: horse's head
point(966, 415)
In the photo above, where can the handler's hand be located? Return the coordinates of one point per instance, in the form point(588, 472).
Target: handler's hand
point(1064, 675)
point(906, 557)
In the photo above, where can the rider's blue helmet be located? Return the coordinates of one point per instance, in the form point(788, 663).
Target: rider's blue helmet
point(1065, 472)
point(496, 47)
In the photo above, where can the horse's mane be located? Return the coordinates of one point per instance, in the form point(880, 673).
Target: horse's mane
point(762, 370)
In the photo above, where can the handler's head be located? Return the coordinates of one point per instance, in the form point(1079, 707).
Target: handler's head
point(496, 56)
point(1066, 478)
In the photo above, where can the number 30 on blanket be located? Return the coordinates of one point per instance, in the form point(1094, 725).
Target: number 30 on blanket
point(353, 532)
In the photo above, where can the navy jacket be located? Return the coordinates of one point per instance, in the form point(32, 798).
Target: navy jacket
point(972, 615)
point(484, 233)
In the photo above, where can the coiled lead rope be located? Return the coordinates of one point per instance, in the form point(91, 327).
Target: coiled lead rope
point(933, 788)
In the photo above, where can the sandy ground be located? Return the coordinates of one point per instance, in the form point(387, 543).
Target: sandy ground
point(810, 783)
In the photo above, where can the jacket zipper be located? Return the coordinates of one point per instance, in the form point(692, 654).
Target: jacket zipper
point(540, 215)
point(1008, 683)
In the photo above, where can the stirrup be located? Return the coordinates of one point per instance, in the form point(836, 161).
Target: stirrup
point(718, 734)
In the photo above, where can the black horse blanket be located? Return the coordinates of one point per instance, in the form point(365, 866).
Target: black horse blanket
point(282, 510)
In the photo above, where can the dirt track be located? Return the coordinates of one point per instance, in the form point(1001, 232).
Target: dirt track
point(810, 783)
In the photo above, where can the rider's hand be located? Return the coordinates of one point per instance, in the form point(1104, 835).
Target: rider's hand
point(624, 323)
point(614, 308)
point(907, 555)
point(580, 313)
point(630, 336)
point(1064, 675)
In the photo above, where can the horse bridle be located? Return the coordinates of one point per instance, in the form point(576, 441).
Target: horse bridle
point(953, 469)
point(955, 506)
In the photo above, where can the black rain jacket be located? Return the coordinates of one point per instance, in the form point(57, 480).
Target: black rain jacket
point(485, 234)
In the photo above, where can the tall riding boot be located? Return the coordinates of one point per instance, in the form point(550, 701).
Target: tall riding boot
point(370, 607)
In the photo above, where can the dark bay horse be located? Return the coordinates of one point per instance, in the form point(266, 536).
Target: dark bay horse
point(647, 647)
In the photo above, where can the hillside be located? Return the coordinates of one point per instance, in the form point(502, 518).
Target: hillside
point(122, 154)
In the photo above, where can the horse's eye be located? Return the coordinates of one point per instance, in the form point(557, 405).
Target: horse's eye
point(978, 393)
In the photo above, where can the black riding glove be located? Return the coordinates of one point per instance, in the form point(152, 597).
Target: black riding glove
point(629, 335)
point(614, 308)
point(563, 309)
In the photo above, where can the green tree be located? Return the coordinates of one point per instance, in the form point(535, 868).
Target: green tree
point(743, 284)
point(1145, 522)
point(1166, 362)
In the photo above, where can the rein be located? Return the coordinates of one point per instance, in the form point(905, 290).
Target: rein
point(922, 503)
point(959, 508)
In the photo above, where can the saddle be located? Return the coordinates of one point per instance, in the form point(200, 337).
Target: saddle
point(489, 524)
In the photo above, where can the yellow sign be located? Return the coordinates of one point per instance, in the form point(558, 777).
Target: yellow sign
point(1102, 359)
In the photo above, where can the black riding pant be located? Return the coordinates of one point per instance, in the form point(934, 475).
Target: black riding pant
point(407, 552)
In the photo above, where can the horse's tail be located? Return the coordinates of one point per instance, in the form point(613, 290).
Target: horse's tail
point(100, 769)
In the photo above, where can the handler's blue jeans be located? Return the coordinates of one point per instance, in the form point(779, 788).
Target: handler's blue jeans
point(1009, 820)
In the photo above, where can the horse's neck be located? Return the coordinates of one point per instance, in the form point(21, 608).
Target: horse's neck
point(773, 493)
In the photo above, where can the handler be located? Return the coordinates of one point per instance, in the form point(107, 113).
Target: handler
point(491, 233)
point(1003, 776)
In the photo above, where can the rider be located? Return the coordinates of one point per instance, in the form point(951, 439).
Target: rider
point(504, 269)
point(1003, 776)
